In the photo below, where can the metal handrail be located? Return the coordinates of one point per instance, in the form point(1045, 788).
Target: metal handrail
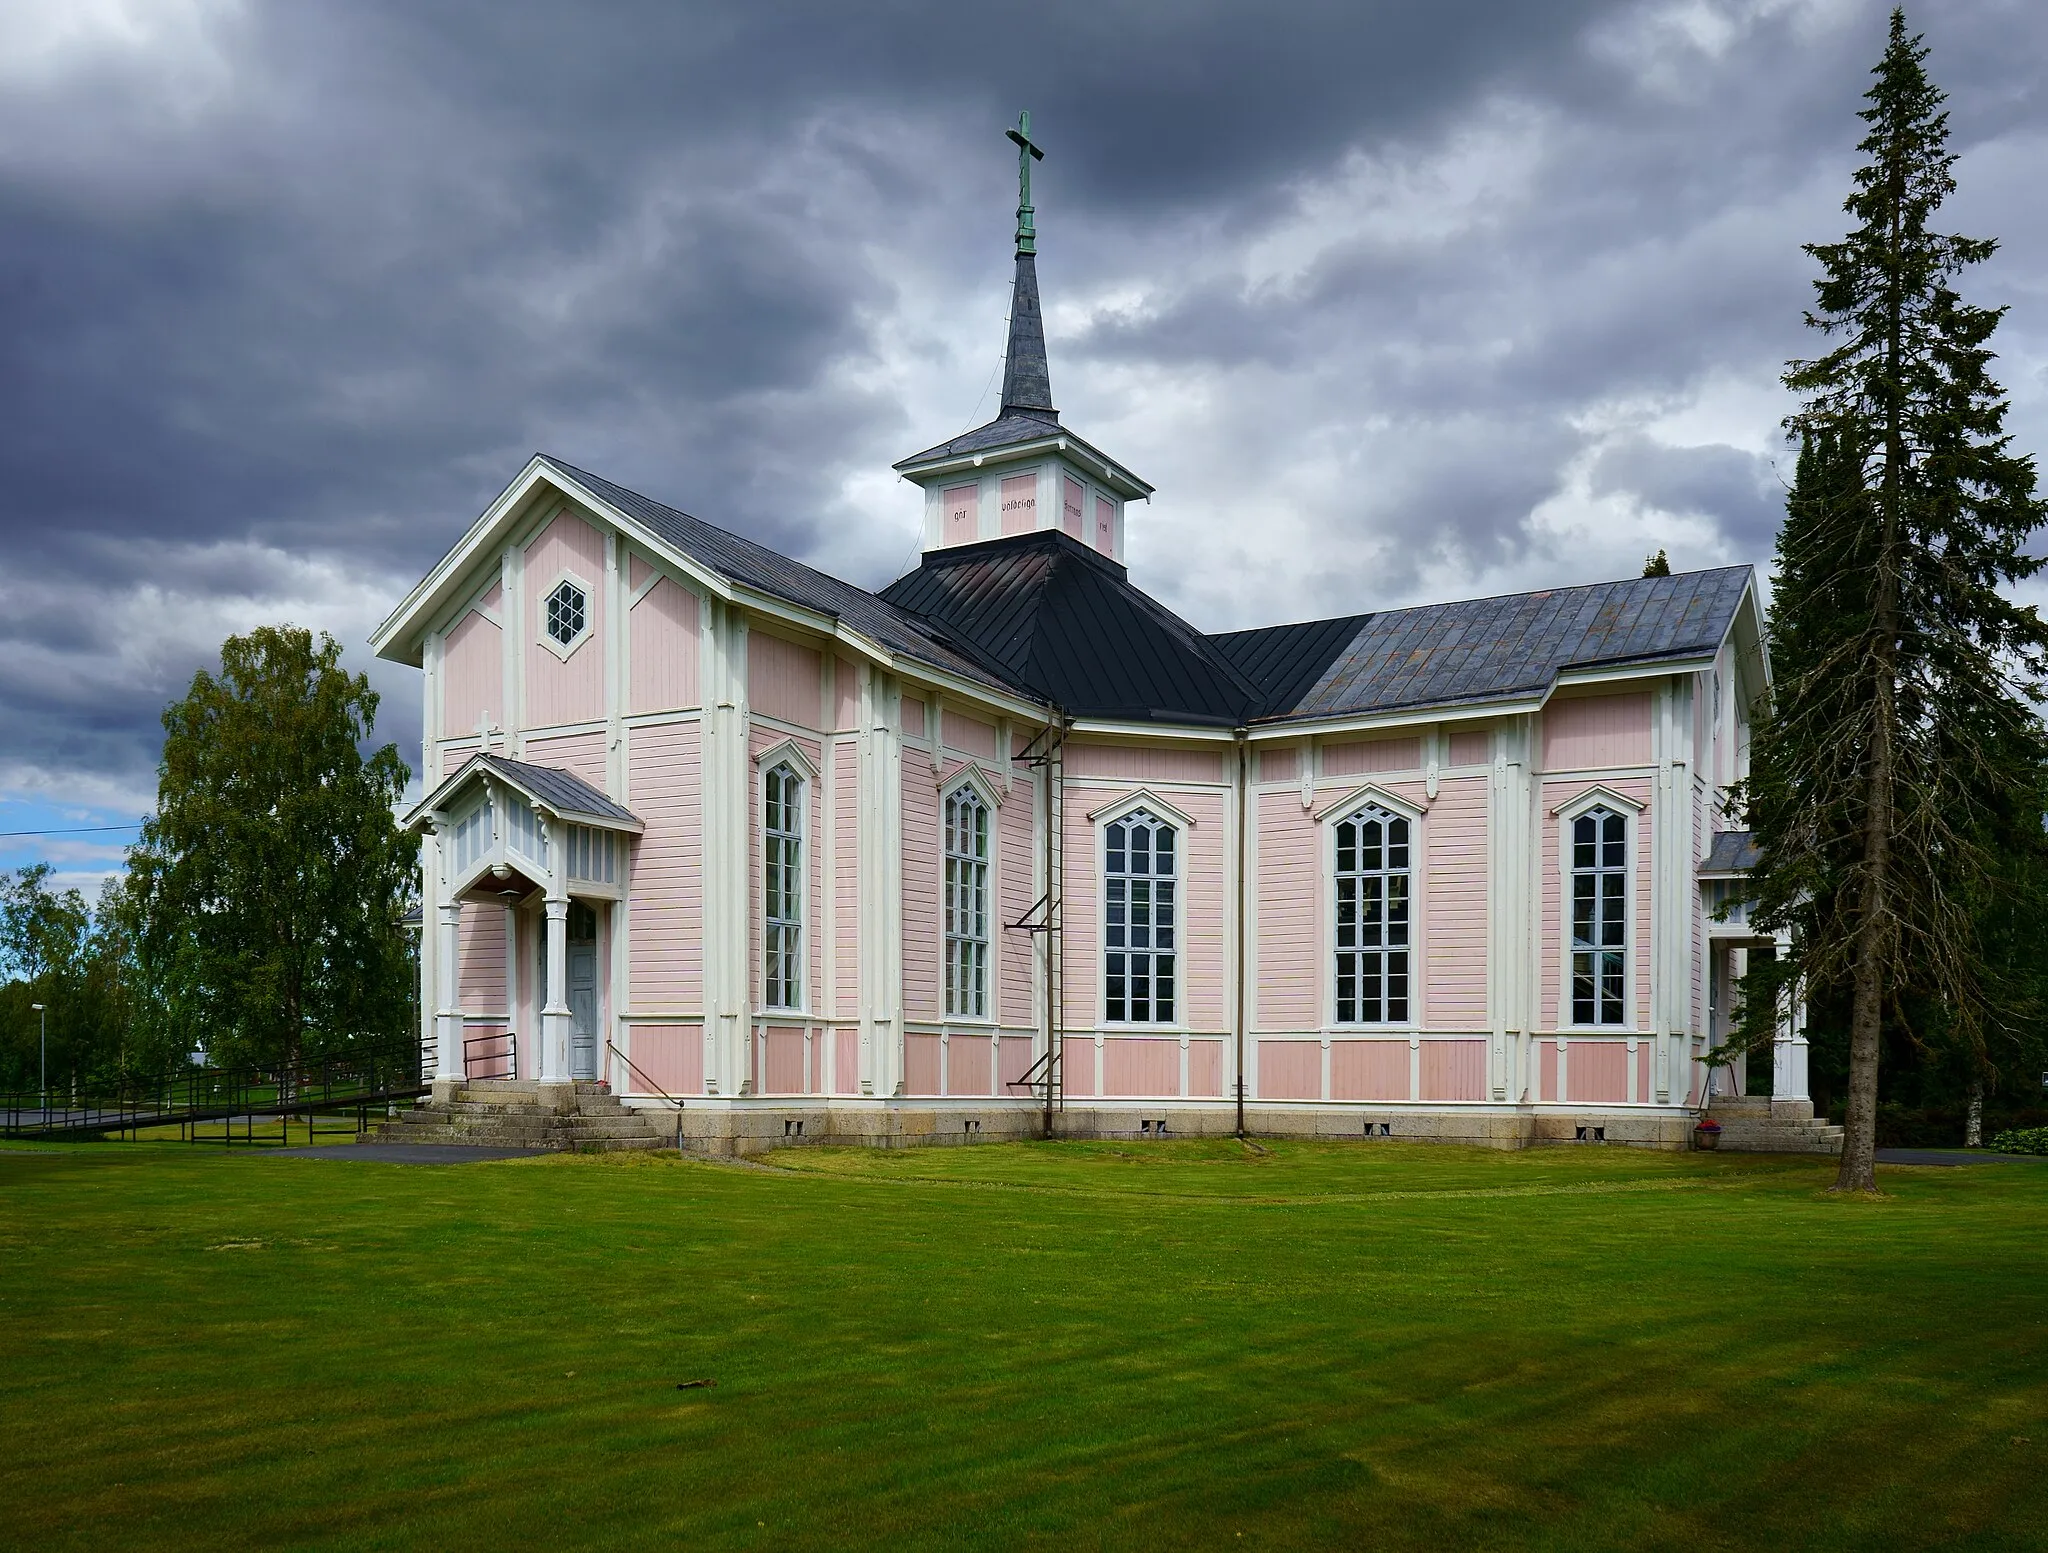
point(629, 1062)
point(188, 1096)
point(509, 1056)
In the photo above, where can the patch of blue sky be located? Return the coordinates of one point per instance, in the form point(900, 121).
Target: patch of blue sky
point(72, 838)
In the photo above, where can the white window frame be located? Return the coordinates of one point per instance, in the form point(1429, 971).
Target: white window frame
point(951, 943)
point(540, 614)
point(1377, 808)
point(793, 922)
point(1566, 816)
point(1174, 821)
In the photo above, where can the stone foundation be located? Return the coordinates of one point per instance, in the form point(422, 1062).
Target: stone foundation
point(746, 1128)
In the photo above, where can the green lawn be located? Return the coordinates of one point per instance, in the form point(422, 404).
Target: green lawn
point(1180, 1344)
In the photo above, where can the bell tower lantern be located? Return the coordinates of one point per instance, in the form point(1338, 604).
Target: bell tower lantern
point(1023, 472)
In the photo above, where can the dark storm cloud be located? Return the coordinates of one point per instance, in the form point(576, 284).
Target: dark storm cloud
point(287, 294)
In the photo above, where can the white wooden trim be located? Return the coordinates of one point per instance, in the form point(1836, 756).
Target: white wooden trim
point(1134, 799)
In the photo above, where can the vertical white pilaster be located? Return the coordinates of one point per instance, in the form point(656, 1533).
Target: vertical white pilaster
point(555, 1016)
point(448, 1013)
point(881, 882)
point(728, 851)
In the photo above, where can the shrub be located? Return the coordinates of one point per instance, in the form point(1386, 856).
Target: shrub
point(2026, 1140)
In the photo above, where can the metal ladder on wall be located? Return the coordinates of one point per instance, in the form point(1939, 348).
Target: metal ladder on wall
point(1046, 918)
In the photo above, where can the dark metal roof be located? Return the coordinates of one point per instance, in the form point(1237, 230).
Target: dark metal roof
point(1286, 661)
point(1066, 621)
point(756, 566)
point(1733, 852)
point(562, 791)
point(1491, 649)
point(1027, 379)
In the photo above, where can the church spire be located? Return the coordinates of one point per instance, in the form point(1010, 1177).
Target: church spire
point(1027, 381)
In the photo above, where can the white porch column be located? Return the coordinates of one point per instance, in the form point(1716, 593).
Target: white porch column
point(554, 1017)
point(448, 1010)
point(1788, 1049)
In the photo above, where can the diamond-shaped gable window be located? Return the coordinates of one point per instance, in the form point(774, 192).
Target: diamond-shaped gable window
point(567, 607)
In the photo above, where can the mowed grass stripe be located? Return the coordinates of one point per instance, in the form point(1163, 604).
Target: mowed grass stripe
point(1571, 1348)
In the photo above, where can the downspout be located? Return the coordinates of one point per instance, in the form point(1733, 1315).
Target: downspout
point(1243, 783)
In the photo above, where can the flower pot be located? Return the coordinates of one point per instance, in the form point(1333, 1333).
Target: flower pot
point(1707, 1137)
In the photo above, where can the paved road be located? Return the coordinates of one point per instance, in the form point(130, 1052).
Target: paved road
point(404, 1153)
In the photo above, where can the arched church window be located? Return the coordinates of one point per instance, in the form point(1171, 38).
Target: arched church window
point(1372, 916)
point(1599, 946)
point(1140, 948)
point(782, 890)
point(966, 887)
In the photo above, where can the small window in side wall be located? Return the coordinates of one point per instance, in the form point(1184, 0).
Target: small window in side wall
point(1598, 846)
point(966, 904)
point(1373, 882)
point(1104, 538)
point(782, 893)
point(568, 613)
point(1140, 939)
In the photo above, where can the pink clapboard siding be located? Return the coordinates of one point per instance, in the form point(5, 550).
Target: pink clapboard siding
point(913, 717)
point(1077, 1066)
point(1205, 1068)
point(1133, 763)
point(1140, 1066)
point(1556, 950)
point(582, 753)
point(1369, 1070)
point(1453, 1070)
point(663, 642)
point(1204, 889)
point(1288, 916)
point(666, 972)
point(1454, 842)
point(1596, 1071)
point(1643, 1071)
point(1472, 747)
point(1589, 733)
point(846, 1061)
point(481, 958)
point(846, 876)
point(922, 874)
point(1278, 765)
point(970, 1065)
point(1364, 757)
point(1016, 1059)
point(473, 675)
point(1081, 967)
point(558, 691)
point(920, 1064)
point(1014, 894)
point(672, 1056)
point(1546, 1070)
point(782, 1060)
point(783, 680)
point(845, 696)
point(1290, 1070)
point(970, 735)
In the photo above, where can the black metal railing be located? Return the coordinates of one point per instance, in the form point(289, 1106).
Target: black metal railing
point(642, 1074)
point(503, 1060)
point(196, 1099)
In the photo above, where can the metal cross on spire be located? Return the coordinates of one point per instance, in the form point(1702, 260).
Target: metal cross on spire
point(1027, 153)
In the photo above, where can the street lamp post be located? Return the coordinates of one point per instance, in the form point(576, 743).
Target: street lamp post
point(43, 1068)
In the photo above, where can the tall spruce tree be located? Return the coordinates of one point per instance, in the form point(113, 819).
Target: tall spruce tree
point(1903, 739)
point(269, 886)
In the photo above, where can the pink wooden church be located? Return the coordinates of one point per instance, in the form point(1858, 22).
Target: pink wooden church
point(1009, 846)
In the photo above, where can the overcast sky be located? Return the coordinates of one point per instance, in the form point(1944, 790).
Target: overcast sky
point(1391, 301)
